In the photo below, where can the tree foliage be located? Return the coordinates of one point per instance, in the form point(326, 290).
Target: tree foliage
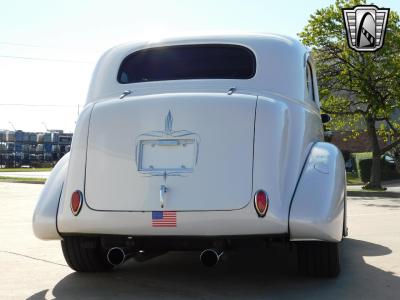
point(361, 90)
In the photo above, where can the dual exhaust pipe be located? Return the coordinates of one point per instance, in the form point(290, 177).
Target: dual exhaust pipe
point(210, 257)
point(116, 256)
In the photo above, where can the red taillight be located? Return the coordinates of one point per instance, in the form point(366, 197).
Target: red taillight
point(261, 203)
point(76, 202)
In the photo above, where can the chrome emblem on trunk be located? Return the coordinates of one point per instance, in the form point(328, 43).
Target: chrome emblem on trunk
point(168, 123)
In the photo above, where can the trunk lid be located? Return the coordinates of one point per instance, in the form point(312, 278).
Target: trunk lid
point(198, 146)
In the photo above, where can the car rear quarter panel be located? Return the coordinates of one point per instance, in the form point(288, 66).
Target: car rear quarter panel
point(75, 179)
point(45, 215)
point(285, 131)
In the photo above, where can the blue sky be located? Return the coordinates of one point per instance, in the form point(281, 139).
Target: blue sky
point(48, 48)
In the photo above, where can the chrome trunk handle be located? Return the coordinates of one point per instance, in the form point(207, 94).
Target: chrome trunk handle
point(163, 191)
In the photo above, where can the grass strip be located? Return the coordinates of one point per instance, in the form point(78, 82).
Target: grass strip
point(353, 179)
point(25, 169)
point(22, 179)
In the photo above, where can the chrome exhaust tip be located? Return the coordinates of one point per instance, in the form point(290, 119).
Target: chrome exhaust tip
point(116, 256)
point(210, 257)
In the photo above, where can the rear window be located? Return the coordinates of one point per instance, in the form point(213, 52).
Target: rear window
point(188, 62)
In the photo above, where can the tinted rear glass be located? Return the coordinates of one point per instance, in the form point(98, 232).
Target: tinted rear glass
point(188, 62)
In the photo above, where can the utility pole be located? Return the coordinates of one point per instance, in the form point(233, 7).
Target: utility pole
point(12, 125)
point(45, 126)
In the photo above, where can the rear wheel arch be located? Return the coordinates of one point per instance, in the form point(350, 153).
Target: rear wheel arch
point(317, 210)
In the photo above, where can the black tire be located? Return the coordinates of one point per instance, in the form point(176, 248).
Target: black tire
point(318, 259)
point(85, 255)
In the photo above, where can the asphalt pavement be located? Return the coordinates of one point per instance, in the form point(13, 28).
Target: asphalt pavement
point(35, 269)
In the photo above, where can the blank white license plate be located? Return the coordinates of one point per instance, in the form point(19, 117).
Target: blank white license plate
point(167, 155)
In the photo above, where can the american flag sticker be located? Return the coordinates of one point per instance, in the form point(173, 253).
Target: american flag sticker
point(163, 219)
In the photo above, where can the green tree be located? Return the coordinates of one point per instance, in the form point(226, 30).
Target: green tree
point(359, 89)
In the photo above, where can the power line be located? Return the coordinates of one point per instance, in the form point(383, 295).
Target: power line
point(44, 47)
point(24, 45)
point(45, 59)
point(39, 105)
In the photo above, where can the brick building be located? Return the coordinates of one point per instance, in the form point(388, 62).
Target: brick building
point(346, 143)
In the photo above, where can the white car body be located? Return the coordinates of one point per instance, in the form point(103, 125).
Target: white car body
point(230, 138)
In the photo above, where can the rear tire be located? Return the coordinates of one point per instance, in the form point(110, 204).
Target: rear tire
point(318, 259)
point(85, 255)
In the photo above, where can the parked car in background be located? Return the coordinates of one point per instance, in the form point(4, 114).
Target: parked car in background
point(204, 144)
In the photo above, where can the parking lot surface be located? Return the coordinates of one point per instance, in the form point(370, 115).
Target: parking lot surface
point(34, 269)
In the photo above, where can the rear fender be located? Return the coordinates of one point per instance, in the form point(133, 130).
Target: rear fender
point(317, 210)
point(67, 176)
point(44, 217)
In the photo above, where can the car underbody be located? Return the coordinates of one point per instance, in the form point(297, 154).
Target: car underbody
point(88, 253)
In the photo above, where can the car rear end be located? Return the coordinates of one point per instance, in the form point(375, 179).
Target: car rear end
point(183, 168)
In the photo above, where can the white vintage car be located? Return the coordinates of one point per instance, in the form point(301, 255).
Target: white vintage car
point(204, 143)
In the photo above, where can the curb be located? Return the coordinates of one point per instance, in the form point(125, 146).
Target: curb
point(383, 194)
